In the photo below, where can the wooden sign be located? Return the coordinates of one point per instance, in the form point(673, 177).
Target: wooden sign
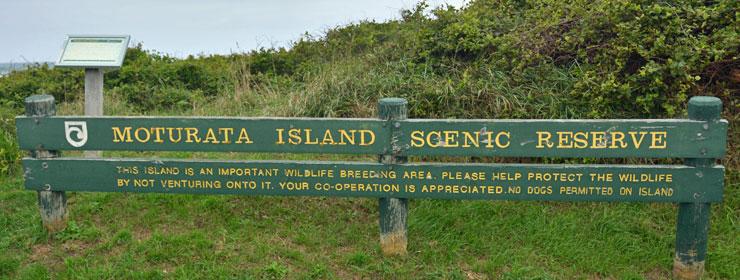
point(505, 138)
point(565, 138)
point(289, 135)
point(655, 183)
point(700, 140)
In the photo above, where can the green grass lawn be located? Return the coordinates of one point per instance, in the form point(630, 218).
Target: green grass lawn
point(157, 236)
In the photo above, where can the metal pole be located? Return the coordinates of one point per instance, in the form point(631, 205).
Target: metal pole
point(93, 98)
point(693, 218)
point(393, 211)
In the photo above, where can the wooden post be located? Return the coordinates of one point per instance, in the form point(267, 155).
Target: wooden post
point(393, 211)
point(693, 218)
point(52, 204)
point(93, 98)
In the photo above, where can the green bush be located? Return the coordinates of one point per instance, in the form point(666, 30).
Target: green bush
point(10, 155)
point(536, 59)
point(489, 59)
point(64, 85)
point(147, 80)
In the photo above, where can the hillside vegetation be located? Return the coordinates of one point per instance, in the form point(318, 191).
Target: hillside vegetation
point(490, 59)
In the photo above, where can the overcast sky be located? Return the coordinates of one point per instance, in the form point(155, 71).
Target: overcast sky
point(34, 30)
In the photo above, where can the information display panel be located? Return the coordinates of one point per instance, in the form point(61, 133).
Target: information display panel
point(93, 51)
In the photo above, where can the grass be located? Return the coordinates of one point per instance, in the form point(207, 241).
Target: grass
point(157, 236)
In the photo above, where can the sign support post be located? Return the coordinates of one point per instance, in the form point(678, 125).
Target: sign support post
point(52, 204)
point(94, 53)
point(393, 211)
point(693, 218)
point(93, 98)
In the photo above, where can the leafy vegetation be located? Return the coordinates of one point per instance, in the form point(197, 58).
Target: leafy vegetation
point(493, 58)
point(490, 59)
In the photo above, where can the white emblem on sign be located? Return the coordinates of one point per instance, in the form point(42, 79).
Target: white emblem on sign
point(76, 133)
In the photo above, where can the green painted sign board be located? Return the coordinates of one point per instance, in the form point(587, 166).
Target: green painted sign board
point(285, 135)
point(503, 138)
point(565, 138)
point(655, 183)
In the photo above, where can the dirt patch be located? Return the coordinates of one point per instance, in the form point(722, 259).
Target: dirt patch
point(471, 275)
point(657, 273)
point(75, 247)
point(40, 252)
point(141, 234)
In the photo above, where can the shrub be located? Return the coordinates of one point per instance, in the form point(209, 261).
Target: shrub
point(489, 59)
point(10, 155)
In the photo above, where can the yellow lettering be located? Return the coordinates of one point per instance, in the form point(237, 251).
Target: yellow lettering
point(294, 136)
point(659, 139)
point(343, 135)
point(280, 136)
point(637, 143)
point(598, 139)
point(211, 137)
point(122, 136)
point(468, 136)
point(226, 132)
point(308, 138)
point(417, 138)
point(451, 138)
point(364, 141)
point(564, 139)
point(498, 139)
point(489, 139)
point(191, 135)
point(328, 139)
point(146, 134)
point(543, 139)
point(243, 137)
point(618, 140)
point(157, 131)
point(581, 140)
point(429, 139)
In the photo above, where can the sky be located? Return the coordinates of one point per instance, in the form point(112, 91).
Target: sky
point(34, 30)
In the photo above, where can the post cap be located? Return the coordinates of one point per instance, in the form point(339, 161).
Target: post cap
point(40, 105)
point(705, 108)
point(393, 101)
point(39, 98)
point(392, 108)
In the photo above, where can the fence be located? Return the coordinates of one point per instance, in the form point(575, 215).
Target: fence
point(699, 140)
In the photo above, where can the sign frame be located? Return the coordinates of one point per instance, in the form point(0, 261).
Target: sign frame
point(96, 64)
